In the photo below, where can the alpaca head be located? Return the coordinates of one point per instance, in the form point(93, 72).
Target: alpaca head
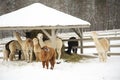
point(94, 34)
point(40, 36)
point(16, 34)
point(35, 41)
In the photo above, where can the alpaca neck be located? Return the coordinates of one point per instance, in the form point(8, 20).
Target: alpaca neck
point(19, 38)
point(37, 46)
point(95, 39)
point(42, 44)
point(98, 44)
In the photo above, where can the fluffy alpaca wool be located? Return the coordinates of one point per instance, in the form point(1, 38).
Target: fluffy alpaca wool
point(58, 44)
point(44, 54)
point(37, 48)
point(27, 47)
point(11, 48)
point(102, 47)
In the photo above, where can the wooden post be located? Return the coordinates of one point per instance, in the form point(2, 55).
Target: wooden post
point(81, 40)
point(46, 33)
point(53, 38)
point(79, 32)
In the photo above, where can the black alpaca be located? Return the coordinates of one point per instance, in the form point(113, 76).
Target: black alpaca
point(72, 45)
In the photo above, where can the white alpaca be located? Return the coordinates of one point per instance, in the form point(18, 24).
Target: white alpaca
point(27, 47)
point(58, 44)
point(102, 47)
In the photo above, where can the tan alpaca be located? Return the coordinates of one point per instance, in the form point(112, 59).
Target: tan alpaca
point(11, 48)
point(5, 54)
point(27, 47)
point(102, 47)
point(44, 54)
point(37, 48)
point(58, 44)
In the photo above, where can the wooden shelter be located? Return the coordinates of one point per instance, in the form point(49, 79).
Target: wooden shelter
point(40, 17)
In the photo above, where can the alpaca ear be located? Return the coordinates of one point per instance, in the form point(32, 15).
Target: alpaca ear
point(94, 33)
point(15, 33)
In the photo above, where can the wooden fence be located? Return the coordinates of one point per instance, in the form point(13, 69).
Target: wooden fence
point(112, 35)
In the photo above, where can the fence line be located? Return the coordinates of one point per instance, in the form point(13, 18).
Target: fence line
point(111, 36)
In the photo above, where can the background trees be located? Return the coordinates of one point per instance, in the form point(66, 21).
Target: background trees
point(102, 14)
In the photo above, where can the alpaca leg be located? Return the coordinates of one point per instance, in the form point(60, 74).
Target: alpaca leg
point(100, 57)
point(5, 55)
point(26, 56)
point(59, 55)
point(36, 55)
point(52, 62)
point(43, 64)
point(12, 55)
point(19, 54)
point(31, 55)
point(105, 57)
point(69, 50)
point(47, 64)
point(74, 50)
point(22, 55)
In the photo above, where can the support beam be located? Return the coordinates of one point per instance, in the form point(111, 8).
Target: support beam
point(53, 38)
point(79, 32)
point(46, 33)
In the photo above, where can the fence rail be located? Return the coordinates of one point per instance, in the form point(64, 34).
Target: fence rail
point(111, 36)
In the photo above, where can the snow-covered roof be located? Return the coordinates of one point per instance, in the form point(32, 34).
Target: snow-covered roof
point(39, 16)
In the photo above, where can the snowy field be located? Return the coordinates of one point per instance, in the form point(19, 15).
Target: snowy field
point(86, 69)
point(89, 69)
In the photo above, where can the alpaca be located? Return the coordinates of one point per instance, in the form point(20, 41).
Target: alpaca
point(11, 48)
point(102, 47)
point(44, 54)
point(72, 45)
point(37, 48)
point(27, 47)
point(58, 45)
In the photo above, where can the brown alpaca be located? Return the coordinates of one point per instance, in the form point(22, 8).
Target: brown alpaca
point(44, 54)
point(58, 44)
point(102, 47)
point(27, 47)
point(12, 48)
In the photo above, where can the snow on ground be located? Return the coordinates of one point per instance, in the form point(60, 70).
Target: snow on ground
point(87, 69)
point(90, 69)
